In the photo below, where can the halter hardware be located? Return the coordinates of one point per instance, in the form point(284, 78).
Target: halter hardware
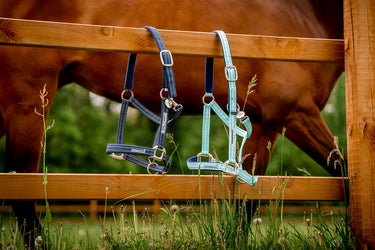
point(157, 153)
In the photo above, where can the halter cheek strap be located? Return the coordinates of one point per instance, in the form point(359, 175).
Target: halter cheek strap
point(232, 165)
point(155, 154)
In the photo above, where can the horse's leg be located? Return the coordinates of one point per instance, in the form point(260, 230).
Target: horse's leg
point(23, 149)
point(23, 126)
point(258, 148)
point(258, 156)
point(295, 108)
point(309, 132)
point(291, 96)
point(2, 127)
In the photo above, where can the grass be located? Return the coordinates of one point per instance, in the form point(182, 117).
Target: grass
point(217, 224)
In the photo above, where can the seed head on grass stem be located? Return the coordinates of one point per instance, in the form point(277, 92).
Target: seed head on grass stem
point(250, 90)
point(44, 103)
point(257, 221)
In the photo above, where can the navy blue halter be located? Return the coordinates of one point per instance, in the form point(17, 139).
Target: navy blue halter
point(155, 154)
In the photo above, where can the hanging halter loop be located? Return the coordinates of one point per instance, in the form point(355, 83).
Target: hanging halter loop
point(157, 153)
point(232, 165)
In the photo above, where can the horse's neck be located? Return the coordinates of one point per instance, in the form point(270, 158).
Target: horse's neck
point(330, 14)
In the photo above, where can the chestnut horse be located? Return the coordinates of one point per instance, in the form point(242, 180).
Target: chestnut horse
point(288, 94)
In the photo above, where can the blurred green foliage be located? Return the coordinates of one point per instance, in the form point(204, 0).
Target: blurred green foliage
point(82, 130)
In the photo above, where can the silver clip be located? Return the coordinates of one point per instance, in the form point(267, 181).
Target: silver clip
point(170, 103)
point(240, 115)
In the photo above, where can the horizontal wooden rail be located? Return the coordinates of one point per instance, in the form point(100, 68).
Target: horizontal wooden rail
point(166, 187)
point(19, 32)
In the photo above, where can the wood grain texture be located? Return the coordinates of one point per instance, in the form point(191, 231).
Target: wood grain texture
point(19, 32)
point(175, 187)
point(359, 27)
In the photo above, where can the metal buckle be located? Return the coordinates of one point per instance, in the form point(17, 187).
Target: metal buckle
point(199, 156)
point(242, 119)
point(227, 172)
point(235, 71)
point(162, 59)
point(117, 157)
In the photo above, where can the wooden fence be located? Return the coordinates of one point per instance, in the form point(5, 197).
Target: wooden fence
point(359, 22)
point(16, 32)
point(167, 187)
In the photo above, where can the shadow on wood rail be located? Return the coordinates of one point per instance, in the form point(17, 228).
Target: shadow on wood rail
point(167, 187)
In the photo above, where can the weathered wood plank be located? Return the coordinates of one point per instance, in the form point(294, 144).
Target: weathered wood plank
point(18, 32)
point(175, 187)
point(359, 30)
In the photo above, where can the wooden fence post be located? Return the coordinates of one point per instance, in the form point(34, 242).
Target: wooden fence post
point(93, 209)
point(359, 31)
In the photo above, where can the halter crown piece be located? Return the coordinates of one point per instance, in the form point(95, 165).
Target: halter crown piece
point(155, 154)
point(231, 166)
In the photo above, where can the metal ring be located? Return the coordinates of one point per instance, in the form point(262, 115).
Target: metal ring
point(148, 168)
point(161, 92)
point(204, 97)
point(126, 91)
point(239, 180)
